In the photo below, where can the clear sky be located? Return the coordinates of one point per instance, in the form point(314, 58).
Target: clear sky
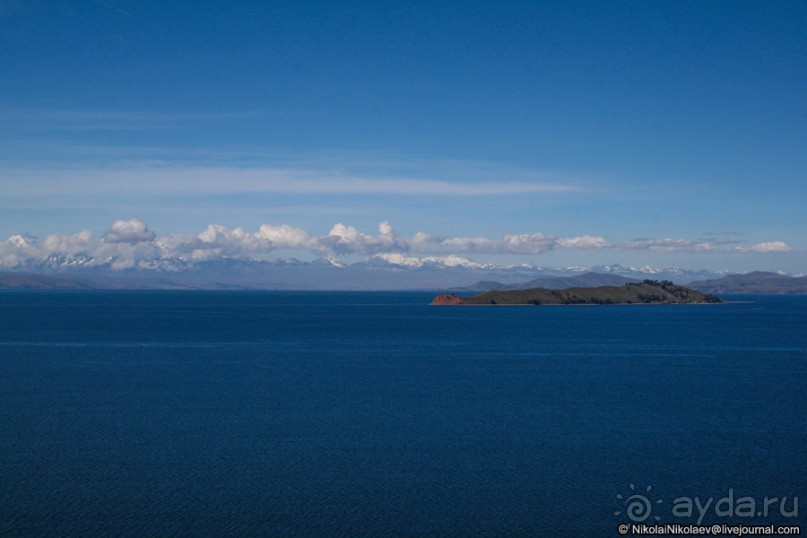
point(555, 133)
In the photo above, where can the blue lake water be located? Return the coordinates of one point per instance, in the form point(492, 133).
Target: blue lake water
point(374, 414)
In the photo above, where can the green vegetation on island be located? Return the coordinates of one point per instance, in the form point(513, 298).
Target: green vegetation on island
point(646, 292)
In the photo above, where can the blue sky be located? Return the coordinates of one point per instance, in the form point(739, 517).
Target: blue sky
point(654, 133)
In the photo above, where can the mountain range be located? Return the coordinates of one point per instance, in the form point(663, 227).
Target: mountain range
point(380, 272)
point(755, 282)
point(588, 279)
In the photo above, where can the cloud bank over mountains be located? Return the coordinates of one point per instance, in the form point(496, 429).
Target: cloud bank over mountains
point(130, 244)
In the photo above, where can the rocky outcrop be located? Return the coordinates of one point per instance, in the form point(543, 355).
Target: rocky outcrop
point(447, 299)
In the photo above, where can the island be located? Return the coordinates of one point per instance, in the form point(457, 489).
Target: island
point(645, 292)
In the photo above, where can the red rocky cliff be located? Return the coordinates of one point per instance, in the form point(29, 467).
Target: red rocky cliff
point(446, 299)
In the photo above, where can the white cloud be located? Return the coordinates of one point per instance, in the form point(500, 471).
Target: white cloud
point(479, 245)
point(688, 245)
point(344, 239)
point(584, 241)
point(666, 245)
point(771, 246)
point(133, 230)
point(78, 243)
point(220, 241)
point(529, 243)
point(285, 236)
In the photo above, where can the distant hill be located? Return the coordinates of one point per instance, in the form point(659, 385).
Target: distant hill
point(11, 280)
point(31, 281)
point(646, 292)
point(585, 280)
point(756, 282)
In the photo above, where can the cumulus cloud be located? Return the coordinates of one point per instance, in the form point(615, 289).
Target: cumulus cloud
point(128, 231)
point(217, 241)
point(285, 236)
point(583, 241)
point(344, 239)
point(77, 243)
point(129, 244)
